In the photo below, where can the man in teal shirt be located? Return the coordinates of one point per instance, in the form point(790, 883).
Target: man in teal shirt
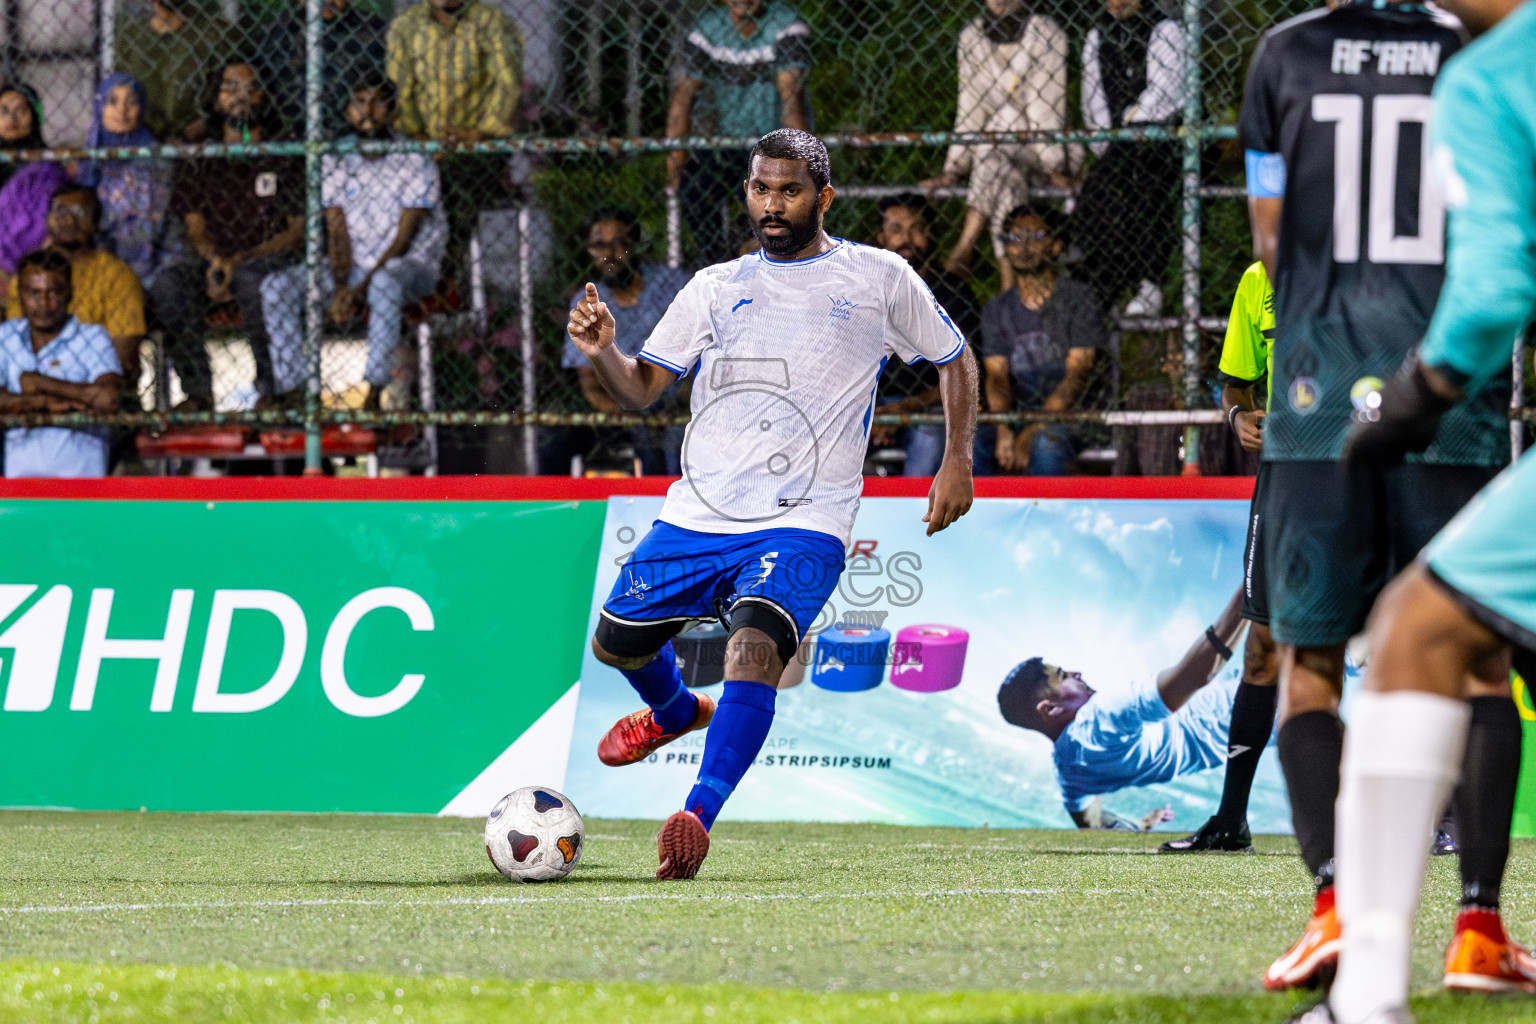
point(752, 57)
point(1451, 617)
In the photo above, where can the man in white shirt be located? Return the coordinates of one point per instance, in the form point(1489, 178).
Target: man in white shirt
point(787, 345)
point(1012, 78)
point(387, 229)
point(51, 362)
point(1153, 731)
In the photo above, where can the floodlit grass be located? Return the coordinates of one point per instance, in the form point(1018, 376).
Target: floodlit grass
point(317, 918)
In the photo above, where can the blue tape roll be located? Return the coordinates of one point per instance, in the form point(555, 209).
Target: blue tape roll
point(850, 660)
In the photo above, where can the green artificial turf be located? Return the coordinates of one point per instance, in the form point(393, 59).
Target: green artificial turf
point(786, 922)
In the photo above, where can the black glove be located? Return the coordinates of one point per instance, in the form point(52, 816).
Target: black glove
point(1407, 420)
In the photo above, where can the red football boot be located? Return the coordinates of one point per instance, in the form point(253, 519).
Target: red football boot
point(682, 845)
point(1315, 956)
point(636, 737)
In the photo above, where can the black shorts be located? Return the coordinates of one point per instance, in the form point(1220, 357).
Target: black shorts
point(1255, 602)
point(1335, 536)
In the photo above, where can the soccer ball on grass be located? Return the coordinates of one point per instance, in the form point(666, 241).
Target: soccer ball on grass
point(535, 834)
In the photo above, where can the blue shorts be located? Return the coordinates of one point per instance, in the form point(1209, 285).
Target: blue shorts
point(677, 574)
point(1487, 555)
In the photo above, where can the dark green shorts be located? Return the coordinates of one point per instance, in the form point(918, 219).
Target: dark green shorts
point(1333, 537)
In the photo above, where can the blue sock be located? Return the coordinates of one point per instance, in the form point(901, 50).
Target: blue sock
point(660, 684)
point(736, 734)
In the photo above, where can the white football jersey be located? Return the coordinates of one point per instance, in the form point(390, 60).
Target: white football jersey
point(788, 357)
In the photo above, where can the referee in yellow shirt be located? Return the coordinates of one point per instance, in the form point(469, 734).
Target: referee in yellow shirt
point(1247, 358)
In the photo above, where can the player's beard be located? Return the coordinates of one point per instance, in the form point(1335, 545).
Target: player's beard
point(800, 234)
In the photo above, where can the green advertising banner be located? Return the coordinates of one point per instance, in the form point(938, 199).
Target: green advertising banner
point(289, 656)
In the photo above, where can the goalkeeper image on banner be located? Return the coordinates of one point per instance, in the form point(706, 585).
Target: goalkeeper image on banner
point(1247, 360)
point(1153, 731)
point(1452, 617)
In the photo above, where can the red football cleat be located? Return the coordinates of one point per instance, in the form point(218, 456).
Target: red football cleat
point(1481, 958)
point(636, 737)
point(682, 845)
point(1315, 956)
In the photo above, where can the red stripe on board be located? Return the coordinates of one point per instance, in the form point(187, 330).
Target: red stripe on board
point(556, 488)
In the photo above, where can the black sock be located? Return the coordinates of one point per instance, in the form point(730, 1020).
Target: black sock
point(1485, 800)
point(1253, 719)
point(1311, 745)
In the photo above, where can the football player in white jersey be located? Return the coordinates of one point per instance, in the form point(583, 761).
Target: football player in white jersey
point(787, 345)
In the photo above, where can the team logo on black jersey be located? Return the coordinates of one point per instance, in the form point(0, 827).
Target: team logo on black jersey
point(1303, 395)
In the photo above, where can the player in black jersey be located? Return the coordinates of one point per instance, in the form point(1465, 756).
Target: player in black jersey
point(1333, 123)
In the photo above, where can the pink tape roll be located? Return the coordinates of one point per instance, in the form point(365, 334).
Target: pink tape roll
point(929, 658)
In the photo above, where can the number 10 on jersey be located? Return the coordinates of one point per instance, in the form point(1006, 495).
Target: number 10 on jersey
point(1384, 245)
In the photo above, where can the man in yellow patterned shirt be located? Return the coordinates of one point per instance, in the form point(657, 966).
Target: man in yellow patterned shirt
point(457, 66)
point(1246, 359)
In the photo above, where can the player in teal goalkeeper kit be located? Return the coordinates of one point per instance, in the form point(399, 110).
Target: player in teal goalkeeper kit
point(1453, 616)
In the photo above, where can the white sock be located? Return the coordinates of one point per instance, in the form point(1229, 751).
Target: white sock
point(1402, 754)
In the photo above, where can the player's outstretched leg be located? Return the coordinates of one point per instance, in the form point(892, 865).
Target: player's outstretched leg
point(754, 662)
point(1253, 719)
point(1481, 958)
point(671, 710)
point(1311, 743)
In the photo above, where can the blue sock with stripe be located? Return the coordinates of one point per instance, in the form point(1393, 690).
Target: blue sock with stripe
point(736, 734)
point(660, 684)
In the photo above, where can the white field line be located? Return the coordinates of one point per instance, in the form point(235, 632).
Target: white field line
point(491, 901)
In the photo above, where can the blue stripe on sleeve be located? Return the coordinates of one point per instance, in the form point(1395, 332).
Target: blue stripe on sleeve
point(650, 358)
point(1266, 174)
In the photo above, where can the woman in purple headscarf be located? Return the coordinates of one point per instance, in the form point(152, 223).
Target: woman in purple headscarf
point(26, 190)
point(134, 194)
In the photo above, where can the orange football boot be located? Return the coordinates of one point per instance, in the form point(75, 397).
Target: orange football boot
point(636, 737)
point(1315, 956)
point(682, 846)
point(1481, 958)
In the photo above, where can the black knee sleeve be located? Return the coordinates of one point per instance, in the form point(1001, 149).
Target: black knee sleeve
point(623, 641)
point(770, 619)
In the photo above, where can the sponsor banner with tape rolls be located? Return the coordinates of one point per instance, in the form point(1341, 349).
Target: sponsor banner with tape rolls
point(899, 719)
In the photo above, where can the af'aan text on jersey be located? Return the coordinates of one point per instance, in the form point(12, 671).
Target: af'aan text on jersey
point(1393, 57)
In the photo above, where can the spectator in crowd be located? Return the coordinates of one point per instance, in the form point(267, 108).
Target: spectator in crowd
point(1040, 340)
point(351, 48)
point(103, 289)
point(51, 362)
point(754, 57)
point(1128, 211)
point(25, 189)
point(170, 50)
point(134, 195)
point(457, 66)
point(906, 228)
point(384, 219)
point(1013, 77)
point(244, 219)
point(637, 295)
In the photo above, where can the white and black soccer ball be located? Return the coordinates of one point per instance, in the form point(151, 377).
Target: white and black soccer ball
point(535, 834)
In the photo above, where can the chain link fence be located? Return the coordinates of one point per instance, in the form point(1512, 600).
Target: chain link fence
point(329, 229)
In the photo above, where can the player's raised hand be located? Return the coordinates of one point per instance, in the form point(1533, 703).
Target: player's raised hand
point(950, 496)
point(591, 326)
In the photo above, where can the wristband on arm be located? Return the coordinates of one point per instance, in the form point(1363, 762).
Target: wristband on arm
point(1232, 417)
point(1216, 644)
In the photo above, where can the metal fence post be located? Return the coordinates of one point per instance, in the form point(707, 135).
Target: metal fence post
point(525, 328)
point(313, 233)
point(1194, 139)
